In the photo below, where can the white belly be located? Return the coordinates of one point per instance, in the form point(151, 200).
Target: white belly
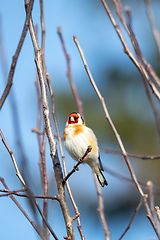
point(76, 146)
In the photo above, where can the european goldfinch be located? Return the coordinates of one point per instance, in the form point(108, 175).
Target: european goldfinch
point(77, 138)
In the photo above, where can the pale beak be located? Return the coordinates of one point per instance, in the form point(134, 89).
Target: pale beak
point(72, 119)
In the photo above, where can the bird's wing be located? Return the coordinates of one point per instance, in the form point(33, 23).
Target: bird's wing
point(100, 163)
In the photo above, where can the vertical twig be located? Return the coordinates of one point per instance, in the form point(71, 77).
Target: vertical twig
point(157, 212)
point(43, 31)
point(42, 150)
point(63, 157)
point(153, 24)
point(101, 209)
point(69, 75)
point(39, 115)
point(44, 182)
point(152, 204)
point(42, 162)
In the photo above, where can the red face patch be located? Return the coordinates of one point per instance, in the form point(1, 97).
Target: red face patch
point(73, 118)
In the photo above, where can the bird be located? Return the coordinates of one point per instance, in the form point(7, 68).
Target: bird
point(77, 137)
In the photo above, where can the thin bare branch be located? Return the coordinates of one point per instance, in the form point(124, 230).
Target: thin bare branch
point(32, 198)
point(69, 75)
point(122, 177)
point(126, 48)
point(135, 212)
point(14, 109)
point(143, 157)
point(16, 192)
point(22, 210)
point(16, 55)
point(141, 63)
point(152, 203)
point(39, 115)
point(77, 214)
point(107, 115)
point(13, 159)
point(44, 182)
point(49, 132)
point(145, 77)
point(157, 212)
point(153, 24)
point(36, 130)
point(42, 145)
point(75, 167)
point(151, 72)
point(43, 31)
point(42, 163)
point(100, 209)
point(133, 176)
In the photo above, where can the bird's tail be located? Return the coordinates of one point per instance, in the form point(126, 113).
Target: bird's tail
point(101, 178)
